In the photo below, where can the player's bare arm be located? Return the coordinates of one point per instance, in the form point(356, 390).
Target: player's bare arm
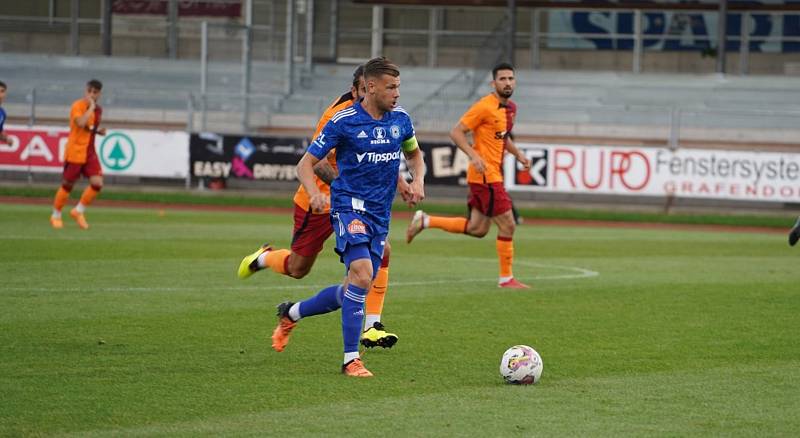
point(83, 120)
point(305, 173)
point(459, 136)
point(325, 171)
point(513, 150)
point(416, 165)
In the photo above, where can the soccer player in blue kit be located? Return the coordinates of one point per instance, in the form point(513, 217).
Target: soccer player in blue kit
point(368, 137)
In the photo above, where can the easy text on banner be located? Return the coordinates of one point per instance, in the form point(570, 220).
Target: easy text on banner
point(246, 157)
point(688, 173)
point(122, 152)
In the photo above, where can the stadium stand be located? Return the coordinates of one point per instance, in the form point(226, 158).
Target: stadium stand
point(160, 92)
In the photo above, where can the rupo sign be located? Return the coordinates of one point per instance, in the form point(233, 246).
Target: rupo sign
point(692, 173)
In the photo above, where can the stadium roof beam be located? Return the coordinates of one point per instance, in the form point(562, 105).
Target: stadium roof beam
point(593, 4)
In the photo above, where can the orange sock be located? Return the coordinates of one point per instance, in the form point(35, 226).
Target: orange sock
point(61, 199)
point(450, 224)
point(505, 253)
point(374, 302)
point(88, 195)
point(276, 260)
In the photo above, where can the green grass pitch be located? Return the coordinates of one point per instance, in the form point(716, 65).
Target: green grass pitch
point(139, 326)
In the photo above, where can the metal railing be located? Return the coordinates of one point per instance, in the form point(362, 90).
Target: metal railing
point(225, 112)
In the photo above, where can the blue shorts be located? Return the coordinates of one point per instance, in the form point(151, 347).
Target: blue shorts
point(354, 230)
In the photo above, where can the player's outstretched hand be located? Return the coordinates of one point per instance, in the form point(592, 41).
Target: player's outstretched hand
point(404, 188)
point(526, 163)
point(417, 192)
point(478, 164)
point(319, 203)
point(101, 131)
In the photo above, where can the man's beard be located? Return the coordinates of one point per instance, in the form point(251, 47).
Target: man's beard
point(506, 93)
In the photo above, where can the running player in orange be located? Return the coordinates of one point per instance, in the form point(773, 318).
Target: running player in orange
point(490, 120)
point(81, 157)
point(312, 229)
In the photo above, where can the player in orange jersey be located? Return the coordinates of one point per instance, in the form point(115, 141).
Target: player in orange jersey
point(81, 157)
point(312, 229)
point(490, 120)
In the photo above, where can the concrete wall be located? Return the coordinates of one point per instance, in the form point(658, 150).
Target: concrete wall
point(147, 36)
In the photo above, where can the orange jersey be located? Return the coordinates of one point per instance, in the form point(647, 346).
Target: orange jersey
point(80, 139)
point(490, 122)
point(301, 197)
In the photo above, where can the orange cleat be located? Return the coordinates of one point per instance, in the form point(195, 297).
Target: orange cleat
point(280, 336)
point(513, 284)
point(355, 368)
point(56, 222)
point(79, 218)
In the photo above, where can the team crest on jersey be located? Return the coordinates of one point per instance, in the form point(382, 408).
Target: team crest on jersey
point(356, 227)
point(380, 136)
point(394, 131)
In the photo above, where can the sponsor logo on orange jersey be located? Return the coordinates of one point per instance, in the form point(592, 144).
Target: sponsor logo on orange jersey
point(356, 227)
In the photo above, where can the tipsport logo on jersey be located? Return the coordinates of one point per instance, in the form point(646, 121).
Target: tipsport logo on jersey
point(374, 157)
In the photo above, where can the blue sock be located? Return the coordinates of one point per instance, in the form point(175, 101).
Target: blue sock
point(352, 316)
point(326, 300)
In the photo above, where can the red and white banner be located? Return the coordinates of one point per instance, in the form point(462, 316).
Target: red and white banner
point(122, 152)
point(35, 149)
point(689, 173)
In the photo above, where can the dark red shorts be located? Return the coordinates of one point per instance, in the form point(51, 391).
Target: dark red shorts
point(310, 232)
point(73, 171)
point(490, 199)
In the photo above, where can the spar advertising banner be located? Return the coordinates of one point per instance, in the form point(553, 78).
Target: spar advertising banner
point(689, 173)
point(121, 152)
point(245, 157)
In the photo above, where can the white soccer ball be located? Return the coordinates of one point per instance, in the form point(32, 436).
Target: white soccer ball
point(521, 365)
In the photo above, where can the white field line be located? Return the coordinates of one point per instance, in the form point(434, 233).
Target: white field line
point(574, 272)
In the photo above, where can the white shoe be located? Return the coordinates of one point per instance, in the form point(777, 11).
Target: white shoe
point(416, 226)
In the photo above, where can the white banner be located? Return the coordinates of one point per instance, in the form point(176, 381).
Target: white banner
point(121, 151)
point(689, 173)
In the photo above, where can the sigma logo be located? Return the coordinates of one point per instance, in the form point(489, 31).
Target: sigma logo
point(380, 136)
point(356, 227)
point(537, 175)
point(374, 157)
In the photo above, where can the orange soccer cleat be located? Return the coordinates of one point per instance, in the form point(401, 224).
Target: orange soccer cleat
point(280, 336)
point(355, 368)
point(79, 218)
point(513, 284)
point(56, 222)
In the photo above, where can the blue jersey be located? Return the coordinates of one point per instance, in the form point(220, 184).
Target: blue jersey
point(368, 157)
point(2, 118)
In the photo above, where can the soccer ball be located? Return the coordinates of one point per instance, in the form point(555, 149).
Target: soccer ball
point(521, 365)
